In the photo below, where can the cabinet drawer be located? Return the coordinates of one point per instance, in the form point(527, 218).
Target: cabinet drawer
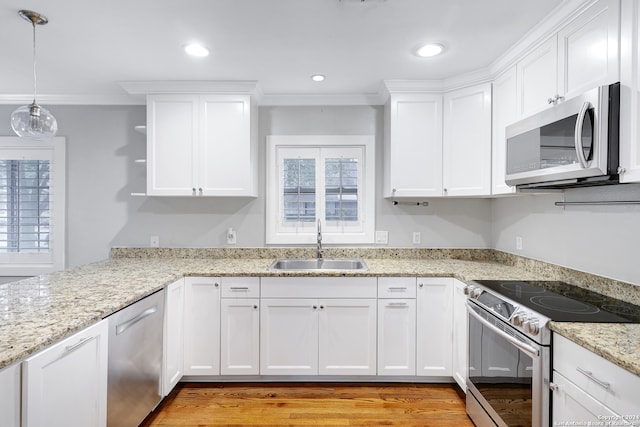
point(240, 287)
point(396, 287)
point(615, 387)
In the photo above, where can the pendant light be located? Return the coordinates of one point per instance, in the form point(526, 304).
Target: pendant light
point(32, 121)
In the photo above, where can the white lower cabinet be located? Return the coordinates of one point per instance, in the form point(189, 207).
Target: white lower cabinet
point(202, 326)
point(434, 327)
point(397, 326)
point(240, 326)
point(587, 387)
point(173, 357)
point(318, 325)
point(65, 385)
point(10, 391)
point(460, 334)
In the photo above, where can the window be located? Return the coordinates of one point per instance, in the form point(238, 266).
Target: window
point(330, 178)
point(32, 200)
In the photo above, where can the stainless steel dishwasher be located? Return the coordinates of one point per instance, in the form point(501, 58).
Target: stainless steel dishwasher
point(135, 361)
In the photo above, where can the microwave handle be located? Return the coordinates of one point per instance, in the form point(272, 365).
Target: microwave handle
point(578, 134)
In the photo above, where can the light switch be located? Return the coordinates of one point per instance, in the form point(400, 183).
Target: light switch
point(231, 236)
point(382, 237)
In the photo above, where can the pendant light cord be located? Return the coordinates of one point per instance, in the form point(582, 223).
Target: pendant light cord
point(34, 61)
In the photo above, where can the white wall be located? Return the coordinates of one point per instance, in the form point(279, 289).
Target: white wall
point(101, 174)
point(601, 240)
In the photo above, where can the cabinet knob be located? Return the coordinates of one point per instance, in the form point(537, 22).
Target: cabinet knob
point(421, 285)
point(200, 190)
point(255, 307)
point(553, 386)
point(315, 307)
point(216, 284)
point(193, 191)
point(322, 307)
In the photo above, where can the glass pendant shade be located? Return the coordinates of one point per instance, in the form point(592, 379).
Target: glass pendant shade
point(33, 122)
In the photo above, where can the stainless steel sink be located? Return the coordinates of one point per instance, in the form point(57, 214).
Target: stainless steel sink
point(317, 264)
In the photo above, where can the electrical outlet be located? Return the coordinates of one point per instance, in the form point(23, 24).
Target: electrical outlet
point(154, 241)
point(382, 237)
point(416, 237)
point(519, 243)
point(231, 236)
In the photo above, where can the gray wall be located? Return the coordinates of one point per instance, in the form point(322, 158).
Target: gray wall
point(597, 239)
point(101, 175)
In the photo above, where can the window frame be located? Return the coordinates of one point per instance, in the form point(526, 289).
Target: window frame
point(327, 146)
point(54, 150)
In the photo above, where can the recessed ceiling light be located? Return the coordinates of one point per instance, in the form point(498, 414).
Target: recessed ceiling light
point(431, 49)
point(195, 49)
point(318, 78)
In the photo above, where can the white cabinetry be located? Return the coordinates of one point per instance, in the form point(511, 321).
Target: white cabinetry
point(202, 326)
point(630, 92)
point(10, 391)
point(504, 104)
point(466, 152)
point(200, 145)
point(584, 54)
point(240, 326)
point(587, 387)
point(460, 334)
point(318, 325)
point(66, 384)
point(173, 357)
point(413, 145)
point(434, 326)
point(396, 326)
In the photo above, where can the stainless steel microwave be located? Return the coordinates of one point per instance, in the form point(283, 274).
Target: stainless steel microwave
point(574, 143)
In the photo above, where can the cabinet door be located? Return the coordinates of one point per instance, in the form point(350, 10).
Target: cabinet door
point(570, 404)
point(240, 336)
point(537, 78)
point(460, 334)
point(225, 163)
point(66, 384)
point(466, 149)
point(202, 326)
point(504, 104)
point(172, 132)
point(173, 359)
point(588, 49)
point(10, 391)
point(397, 337)
point(413, 147)
point(630, 92)
point(289, 337)
point(347, 337)
point(434, 327)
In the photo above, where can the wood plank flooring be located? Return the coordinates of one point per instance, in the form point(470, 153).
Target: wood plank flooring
point(295, 404)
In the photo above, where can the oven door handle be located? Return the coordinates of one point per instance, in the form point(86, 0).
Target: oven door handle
point(529, 350)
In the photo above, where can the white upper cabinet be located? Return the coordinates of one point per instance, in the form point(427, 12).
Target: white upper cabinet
point(504, 102)
point(588, 49)
point(413, 146)
point(537, 78)
point(584, 54)
point(200, 145)
point(630, 92)
point(466, 148)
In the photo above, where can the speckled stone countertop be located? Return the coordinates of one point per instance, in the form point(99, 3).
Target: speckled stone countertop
point(39, 311)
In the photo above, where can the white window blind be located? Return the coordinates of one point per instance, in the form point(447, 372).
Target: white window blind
point(25, 210)
point(327, 178)
point(32, 201)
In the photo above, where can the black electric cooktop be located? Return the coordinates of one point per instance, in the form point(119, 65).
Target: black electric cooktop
point(562, 302)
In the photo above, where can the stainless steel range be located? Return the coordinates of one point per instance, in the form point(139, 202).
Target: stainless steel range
point(509, 362)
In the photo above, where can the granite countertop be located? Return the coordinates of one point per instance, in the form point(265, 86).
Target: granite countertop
point(39, 311)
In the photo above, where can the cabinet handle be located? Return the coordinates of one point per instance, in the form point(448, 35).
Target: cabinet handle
point(553, 387)
point(70, 348)
point(239, 288)
point(398, 288)
point(589, 375)
point(397, 304)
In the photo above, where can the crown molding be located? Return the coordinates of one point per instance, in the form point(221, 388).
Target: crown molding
point(72, 99)
point(336, 99)
point(250, 87)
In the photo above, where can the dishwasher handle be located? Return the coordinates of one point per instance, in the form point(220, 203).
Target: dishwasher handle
point(122, 327)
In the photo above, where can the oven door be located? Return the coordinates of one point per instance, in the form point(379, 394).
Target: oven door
point(508, 374)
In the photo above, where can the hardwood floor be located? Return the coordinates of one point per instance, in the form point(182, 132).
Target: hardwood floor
point(295, 404)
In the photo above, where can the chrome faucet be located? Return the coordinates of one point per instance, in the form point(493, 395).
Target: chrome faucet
point(319, 249)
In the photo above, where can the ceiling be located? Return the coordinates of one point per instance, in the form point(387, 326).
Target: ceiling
point(91, 45)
